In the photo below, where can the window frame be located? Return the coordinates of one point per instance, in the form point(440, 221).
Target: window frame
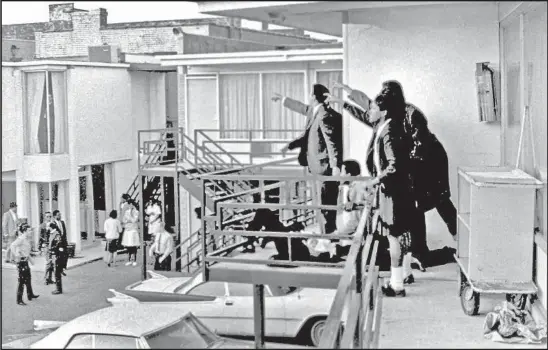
point(262, 102)
point(46, 69)
point(93, 335)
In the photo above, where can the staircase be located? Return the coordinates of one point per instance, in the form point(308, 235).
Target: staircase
point(194, 161)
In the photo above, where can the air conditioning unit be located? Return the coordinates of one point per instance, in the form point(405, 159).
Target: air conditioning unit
point(104, 53)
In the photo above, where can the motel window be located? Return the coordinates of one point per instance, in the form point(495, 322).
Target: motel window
point(246, 108)
point(277, 118)
point(240, 105)
point(525, 80)
point(45, 112)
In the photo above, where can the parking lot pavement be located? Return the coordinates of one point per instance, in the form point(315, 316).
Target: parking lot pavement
point(85, 289)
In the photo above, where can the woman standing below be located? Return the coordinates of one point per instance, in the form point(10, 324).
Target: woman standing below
point(130, 240)
point(113, 228)
point(387, 161)
point(154, 212)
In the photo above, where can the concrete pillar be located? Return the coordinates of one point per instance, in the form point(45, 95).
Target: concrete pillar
point(72, 217)
point(33, 213)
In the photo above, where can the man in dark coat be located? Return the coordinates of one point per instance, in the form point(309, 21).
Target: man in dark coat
point(320, 145)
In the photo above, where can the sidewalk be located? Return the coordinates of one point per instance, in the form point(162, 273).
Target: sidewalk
point(90, 252)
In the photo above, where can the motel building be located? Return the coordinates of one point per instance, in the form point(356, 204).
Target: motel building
point(114, 114)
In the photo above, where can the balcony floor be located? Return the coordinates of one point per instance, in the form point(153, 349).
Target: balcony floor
point(430, 316)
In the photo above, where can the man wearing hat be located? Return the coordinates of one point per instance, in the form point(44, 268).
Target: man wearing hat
point(320, 145)
point(9, 229)
point(20, 249)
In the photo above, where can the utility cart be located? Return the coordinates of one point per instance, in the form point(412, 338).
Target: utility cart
point(495, 234)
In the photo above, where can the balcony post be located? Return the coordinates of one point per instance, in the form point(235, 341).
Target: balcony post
point(258, 315)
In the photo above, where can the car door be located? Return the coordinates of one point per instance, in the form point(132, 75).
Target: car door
point(209, 312)
point(239, 311)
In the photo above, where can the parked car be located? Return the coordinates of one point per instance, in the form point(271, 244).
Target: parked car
point(227, 308)
point(136, 326)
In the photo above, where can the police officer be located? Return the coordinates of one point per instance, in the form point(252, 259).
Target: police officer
point(56, 254)
point(21, 249)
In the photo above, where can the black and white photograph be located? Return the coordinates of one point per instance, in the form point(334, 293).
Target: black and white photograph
point(274, 174)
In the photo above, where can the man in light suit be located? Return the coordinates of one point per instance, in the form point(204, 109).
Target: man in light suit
point(59, 225)
point(320, 145)
point(9, 228)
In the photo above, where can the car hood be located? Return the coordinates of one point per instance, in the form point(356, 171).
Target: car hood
point(26, 341)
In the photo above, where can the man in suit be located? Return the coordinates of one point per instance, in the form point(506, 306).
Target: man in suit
point(320, 145)
point(9, 229)
point(59, 225)
point(56, 255)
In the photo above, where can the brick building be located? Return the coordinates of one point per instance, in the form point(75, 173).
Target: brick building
point(70, 31)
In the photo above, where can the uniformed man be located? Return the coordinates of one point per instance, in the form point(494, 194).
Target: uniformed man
point(45, 229)
point(21, 249)
point(56, 251)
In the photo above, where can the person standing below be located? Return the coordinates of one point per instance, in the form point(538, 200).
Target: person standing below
point(21, 249)
point(320, 145)
point(60, 226)
point(56, 255)
point(113, 228)
point(388, 162)
point(130, 239)
point(45, 233)
point(9, 229)
point(154, 218)
point(161, 250)
point(124, 206)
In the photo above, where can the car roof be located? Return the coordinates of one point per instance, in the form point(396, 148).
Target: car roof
point(133, 320)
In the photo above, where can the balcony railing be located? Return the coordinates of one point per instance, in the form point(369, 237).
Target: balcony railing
point(356, 308)
point(250, 149)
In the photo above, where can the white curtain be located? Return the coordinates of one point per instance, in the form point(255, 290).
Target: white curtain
point(326, 78)
point(239, 96)
point(59, 132)
point(35, 84)
point(276, 117)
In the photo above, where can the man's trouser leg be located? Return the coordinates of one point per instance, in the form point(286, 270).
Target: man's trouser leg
point(49, 271)
point(21, 280)
point(329, 194)
point(58, 276)
point(448, 213)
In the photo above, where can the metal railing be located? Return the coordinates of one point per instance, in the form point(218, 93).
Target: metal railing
point(354, 317)
point(250, 148)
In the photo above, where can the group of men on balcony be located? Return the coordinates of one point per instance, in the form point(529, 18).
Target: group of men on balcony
point(400, 157)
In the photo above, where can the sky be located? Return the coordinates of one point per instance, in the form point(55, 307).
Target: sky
point(14, 12)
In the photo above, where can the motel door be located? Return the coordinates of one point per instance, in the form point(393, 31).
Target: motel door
point(87, 217)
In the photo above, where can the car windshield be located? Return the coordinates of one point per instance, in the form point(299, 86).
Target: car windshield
point(188, 333)
point(279, 291)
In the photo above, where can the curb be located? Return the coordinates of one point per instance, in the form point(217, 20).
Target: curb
point(85, 262)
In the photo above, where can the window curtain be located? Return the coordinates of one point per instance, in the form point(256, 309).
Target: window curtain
point(35, 100)
point(276, 117)
point(57, 112)
point(326, 78)
point(239, 96)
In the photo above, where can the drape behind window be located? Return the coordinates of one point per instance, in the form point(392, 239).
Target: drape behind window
point(35, 89)
point(326, 78)
point(276, 116)
point(57, 112)
point(239, 96)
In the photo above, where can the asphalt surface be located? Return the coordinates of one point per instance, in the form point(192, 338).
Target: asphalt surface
point(85, 289)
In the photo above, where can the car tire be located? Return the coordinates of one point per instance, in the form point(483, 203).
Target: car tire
point(313, 329)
